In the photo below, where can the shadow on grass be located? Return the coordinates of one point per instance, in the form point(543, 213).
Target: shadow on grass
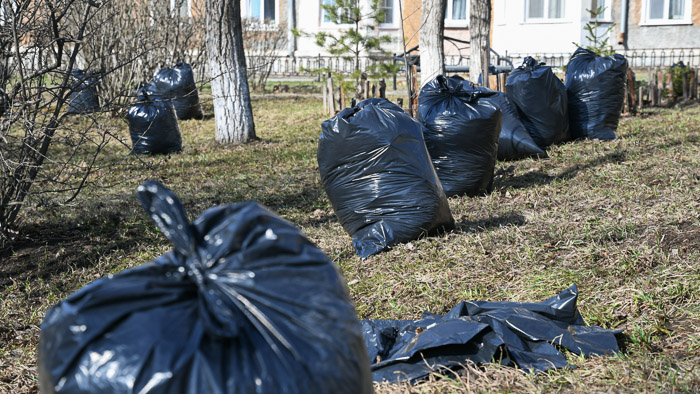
point(47, 250)
point(537, 178)
point(478, 226)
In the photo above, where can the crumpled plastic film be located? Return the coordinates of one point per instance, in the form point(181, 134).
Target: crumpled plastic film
point(526, 335)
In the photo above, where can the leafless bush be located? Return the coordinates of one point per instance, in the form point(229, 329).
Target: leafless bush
point(130, 39)
point(263, 44)
point(46, 155)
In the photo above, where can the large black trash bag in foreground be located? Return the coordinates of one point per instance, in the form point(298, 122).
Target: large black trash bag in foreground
point(512, 333)
point(177, 84)
point(153, 126)
point(378, 176)
point(461, 128)
point(541, 99)
point(515, 141)
point(83, 98)
point(244, 303)
point(596, 89)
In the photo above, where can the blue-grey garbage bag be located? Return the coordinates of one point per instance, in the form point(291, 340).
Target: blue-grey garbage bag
point(377, 174)
point(177, 84)
point(244, 303)
point(596, 88)
point(541, 100)
point(153, 126)
point(515, 141)
point(83, 98)
point(510, 333)
point(461, 124)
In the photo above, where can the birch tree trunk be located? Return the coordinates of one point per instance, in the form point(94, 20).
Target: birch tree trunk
point(233, 112)
point(430, 40)
point(479, 23)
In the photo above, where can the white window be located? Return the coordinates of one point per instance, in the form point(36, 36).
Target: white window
point(666, 12)
point(457, 13)
point(537, 10)
point(606, 5)
point(387, 7)
point(326, 18)
point(262, 10)
point(180, 8)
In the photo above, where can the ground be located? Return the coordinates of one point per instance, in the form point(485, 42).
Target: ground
point(620, 219)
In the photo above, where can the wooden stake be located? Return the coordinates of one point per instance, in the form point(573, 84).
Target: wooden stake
point(325, 99)
point(641, 97)
point(685, 86)
point(374, 90)
point(631, 105)
point(341, 99)
point(331, 94)
point(382, 88)
point(414, 92)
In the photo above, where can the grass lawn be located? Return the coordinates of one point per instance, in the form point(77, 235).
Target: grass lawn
point(620, 219)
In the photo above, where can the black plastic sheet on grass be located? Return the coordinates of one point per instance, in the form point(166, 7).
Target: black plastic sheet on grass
point(526, 335)
point(596, 88)
point(244, 303)
point(461, 128)
point(377, 173)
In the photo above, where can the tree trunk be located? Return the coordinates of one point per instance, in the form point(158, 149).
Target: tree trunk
point(430, 39)
point(233, 113)
point(479, 23)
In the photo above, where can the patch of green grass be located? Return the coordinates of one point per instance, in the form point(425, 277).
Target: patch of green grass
point(621, 219)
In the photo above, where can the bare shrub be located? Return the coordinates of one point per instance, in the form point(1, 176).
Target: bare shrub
point(263, 43)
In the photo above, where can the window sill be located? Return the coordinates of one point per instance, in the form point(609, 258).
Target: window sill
point(677, 22)
point(456, 24)
point(545, 21)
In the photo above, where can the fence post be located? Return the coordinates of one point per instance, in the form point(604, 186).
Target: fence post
point(331, 94)
point(324, 87)
point(631, 105)
point(393, 61)
point(382, 88)
point(641, 97)
point(685, 85)
point(341, 91)
point(318, 66)
point(413, 104)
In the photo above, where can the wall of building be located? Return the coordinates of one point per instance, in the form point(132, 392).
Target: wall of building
point(672, 36)
point(309, 22)
point(512, 33)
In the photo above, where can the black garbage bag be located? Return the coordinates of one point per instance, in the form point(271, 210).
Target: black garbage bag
point(177, 84)
point(378, 176)
point(596, 89)
point(83, 98)
point(515, 141)
point(512, 333)
point(461, 127)
point(244, 303)
point(153, 126)
point(541, 100)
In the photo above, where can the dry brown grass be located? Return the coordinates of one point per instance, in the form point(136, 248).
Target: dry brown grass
point(620, 219)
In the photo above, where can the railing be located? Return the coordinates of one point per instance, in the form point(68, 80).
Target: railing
point(637, 58)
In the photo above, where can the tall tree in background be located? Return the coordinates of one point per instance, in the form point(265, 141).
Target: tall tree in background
point(233, 112)
point(479, 24)
point(432, 53)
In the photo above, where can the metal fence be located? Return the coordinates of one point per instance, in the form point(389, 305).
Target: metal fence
point(637, 58)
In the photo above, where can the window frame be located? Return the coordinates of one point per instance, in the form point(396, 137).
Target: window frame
point(449, 22)
point(245, 14)
point(178, 13)
point(322, 14)
point(607, 14)
point(646, 21)
point(393, 24)
point(545, 19)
